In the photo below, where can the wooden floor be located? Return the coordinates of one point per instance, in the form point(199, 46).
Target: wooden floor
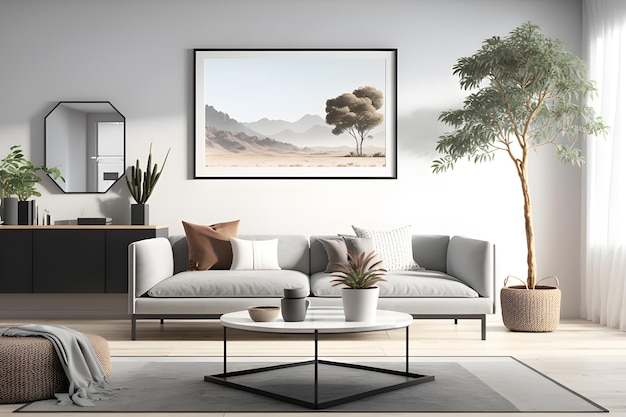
point(585, 357)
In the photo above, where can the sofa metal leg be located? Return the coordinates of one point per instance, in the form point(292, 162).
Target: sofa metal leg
point(456, 321)
point(483, 327)
point(133, 328)
point(162, 321)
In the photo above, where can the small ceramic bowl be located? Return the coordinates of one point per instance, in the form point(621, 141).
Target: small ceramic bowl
point(263, 313)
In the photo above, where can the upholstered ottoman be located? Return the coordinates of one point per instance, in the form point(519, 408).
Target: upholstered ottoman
point(30, 369)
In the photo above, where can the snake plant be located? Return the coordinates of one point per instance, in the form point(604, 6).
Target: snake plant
point(141, 184)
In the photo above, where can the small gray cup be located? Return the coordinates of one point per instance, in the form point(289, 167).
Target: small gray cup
point(295, 292)
point(294, 309)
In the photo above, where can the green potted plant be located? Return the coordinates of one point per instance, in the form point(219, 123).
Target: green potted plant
point(141, 185)
point(360, 274)
point(529, 92)
point(18, 177)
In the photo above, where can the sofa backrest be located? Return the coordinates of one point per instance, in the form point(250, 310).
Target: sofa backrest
point(473, 261)
point(429, 251)
point(307, 255)
point(180, 252)
point(293, 251)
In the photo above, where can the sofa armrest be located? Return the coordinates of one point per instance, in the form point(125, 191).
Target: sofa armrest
point(150, 261)
point(473, 262)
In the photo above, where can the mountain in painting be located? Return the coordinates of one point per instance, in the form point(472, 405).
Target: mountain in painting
point(240, 142)
point(222, 121)
point(269, 127)
point(309, 132)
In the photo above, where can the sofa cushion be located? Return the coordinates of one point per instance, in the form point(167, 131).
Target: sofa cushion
point(337, 249)
point(216, 283)
point(394, 247)
point(254, 254)
point(209, 247)
point(402, 284)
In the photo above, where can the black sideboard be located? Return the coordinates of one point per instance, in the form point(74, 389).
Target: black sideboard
point(68, 259)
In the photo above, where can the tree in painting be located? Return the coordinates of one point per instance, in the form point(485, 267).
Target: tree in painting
point(355, 113)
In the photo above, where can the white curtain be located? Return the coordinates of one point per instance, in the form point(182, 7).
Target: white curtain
point(604, 260)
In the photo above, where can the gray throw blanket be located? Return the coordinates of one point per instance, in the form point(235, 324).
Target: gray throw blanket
point(87, 379)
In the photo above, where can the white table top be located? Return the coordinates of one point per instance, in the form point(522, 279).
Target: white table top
point(324, 320)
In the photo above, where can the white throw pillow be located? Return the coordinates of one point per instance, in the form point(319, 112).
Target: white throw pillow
point(395, 247)
point(254, 254)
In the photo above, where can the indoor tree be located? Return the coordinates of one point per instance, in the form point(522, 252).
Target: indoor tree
point(529, 92)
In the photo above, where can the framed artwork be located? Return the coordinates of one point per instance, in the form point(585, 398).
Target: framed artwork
point(295, 113)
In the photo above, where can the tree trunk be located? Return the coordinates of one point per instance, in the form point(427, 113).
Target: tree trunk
point(356, 141)
point(528, 222)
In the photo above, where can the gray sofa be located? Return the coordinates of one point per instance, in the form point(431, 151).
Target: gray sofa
point(457, 283)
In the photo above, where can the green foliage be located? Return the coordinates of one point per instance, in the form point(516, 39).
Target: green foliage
point(355, 113)
point(141, 184)
point(18, 176)
point(529, 94)
point(357, 271)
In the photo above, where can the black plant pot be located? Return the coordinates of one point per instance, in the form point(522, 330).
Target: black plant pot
point(26, 212)
point(9, 210)
point(139, 214)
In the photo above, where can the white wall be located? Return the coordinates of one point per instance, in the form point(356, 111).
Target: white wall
point(142, 63)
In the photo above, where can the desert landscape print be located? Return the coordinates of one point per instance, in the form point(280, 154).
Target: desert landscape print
point(307, 142)
point(295, 113)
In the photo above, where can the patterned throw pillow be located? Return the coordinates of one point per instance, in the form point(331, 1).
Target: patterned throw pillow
point(395, 247)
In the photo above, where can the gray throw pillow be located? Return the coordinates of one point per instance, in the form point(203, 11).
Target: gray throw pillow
point(358, 245)
point(337, 249)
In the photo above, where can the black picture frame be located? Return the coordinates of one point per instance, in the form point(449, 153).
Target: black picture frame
point(264, 113)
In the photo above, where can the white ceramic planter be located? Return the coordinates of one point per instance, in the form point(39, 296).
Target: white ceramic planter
point(360, 304)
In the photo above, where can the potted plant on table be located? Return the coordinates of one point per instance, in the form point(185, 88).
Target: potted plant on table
point(529, 94)
point(360, 274)
point(18, 177)
point(141, 185)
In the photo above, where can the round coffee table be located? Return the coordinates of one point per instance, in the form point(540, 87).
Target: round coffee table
point(319, 320)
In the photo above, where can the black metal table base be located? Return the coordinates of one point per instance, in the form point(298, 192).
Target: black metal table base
point(223, 379)
point(226, 379)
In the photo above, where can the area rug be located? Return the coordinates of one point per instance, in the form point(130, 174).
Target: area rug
point(461, 384)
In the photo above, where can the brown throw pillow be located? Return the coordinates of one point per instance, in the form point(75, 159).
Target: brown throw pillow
point(209, 246)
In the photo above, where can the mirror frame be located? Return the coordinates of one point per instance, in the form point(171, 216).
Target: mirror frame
point(46, 139)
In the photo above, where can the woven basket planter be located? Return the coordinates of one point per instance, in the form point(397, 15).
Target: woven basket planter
point(531, 310)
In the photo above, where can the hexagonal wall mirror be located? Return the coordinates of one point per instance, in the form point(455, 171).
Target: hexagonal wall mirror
point(86, 140)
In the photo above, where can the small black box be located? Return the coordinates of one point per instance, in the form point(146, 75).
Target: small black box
point(93, 221)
